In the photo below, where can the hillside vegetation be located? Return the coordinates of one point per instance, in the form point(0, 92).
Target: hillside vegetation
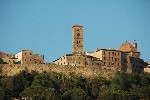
point(58, 86)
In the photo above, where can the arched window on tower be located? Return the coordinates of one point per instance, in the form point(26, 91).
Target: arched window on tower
point(77, 43)
point(78, 35)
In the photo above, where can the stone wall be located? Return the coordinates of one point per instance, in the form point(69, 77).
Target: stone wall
point(12, 69)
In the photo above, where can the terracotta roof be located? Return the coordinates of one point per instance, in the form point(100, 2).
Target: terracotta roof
point(127, 47)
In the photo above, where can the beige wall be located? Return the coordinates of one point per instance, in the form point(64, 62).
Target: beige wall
point(9, 60)
point(79, 60)
point(28, 57)
point(37, 58)
point(110, 58)
point(147, 69)
point(25, 56)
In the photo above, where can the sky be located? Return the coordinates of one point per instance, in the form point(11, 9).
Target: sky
point(45, 26)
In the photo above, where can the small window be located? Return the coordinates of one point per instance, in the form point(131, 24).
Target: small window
point(112, 53)
point(104, 58)
point(104, 52)
point(104, 63)
point(25, 53)
point(78, 35)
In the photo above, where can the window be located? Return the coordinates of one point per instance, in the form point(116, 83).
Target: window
point(104, 63)
point(79, 62)
point(77, 43)
point(64, 62)
point(104, 58)
point(78, 35)
point(104, 52)
point(112, 53)
point(68, 63)
point(30, 53)
point(25, 53)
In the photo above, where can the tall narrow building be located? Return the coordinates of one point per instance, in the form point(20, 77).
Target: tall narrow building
point(77, 39)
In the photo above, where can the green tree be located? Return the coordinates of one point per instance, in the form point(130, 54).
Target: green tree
point(120, 81)
point(50, 94)
point(21, 81)
point(75, 94)
point(44, 80)
point(6, 87)
point(34, 92)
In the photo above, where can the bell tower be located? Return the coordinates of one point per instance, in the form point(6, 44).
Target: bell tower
point(77, 39)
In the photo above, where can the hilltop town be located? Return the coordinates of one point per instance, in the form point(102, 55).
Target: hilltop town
point(126, 58)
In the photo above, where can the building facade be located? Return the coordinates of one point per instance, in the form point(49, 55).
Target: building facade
point(28, 57)
point(126, 58)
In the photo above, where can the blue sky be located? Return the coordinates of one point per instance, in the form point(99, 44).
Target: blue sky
point(44, 26)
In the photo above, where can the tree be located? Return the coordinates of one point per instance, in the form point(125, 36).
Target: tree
point(33, 92)
point(120, 81)
point(6, 87)
point(50, 94)
point(21, 81)
point(44, 80)
point(75, 94)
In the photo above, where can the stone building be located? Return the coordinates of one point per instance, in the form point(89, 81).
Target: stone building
point(78, 57)
point(28, 57)
point(126, 58)
point(110, 58)
point(131, 61)
point(7, 58)
point(4, 55)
